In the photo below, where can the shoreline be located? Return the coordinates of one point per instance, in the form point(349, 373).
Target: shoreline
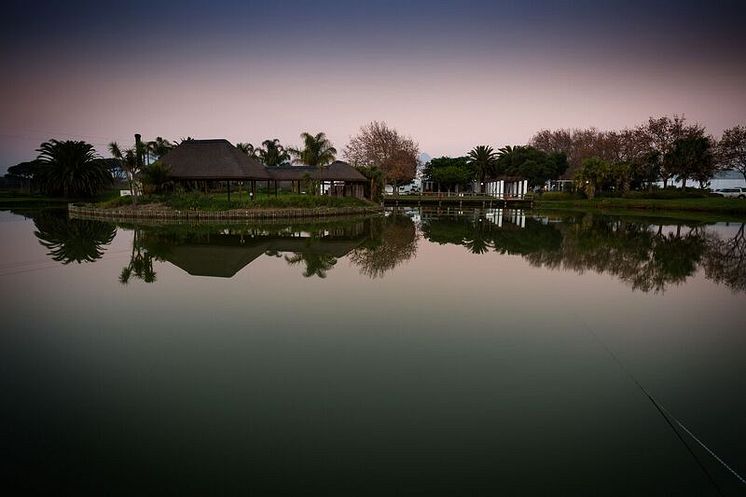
point(733, 208)
point(160, 212)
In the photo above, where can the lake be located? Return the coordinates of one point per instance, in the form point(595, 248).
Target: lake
point(417, 353)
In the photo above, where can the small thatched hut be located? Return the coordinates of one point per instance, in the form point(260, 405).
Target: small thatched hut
point(337, 179)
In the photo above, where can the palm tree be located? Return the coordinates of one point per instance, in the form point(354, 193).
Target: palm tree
point(129, 162)
point(72, 168)
point(273, 154)
point(247, 148)
point(157, 148)
point(484, 160)
point(317, 150)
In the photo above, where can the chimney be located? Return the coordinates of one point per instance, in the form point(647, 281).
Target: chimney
point(138, 149)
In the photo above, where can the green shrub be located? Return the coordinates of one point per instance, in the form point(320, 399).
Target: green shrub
point(669, 194)
point(558, 196)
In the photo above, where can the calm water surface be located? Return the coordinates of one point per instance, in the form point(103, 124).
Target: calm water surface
point(421, 353)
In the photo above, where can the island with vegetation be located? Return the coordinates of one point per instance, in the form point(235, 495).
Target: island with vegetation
point(664, 164)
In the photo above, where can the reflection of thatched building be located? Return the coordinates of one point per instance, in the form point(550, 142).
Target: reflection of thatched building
point(198, 163)
point(223, 255)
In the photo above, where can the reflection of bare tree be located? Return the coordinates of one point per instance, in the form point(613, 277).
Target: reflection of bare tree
point(725, 260)
point(141, 262)
point(393, 241)
point(646, 260)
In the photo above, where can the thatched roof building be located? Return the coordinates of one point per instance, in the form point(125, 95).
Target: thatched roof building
point(212, 160)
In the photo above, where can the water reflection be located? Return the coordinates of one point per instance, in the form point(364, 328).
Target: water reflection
point(647, 255)
point(391, 241)
point(374, 245)
point(140, 264)
point(70, 240)
point(726, 260)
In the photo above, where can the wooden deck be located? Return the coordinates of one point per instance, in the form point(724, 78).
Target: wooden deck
point(461, 199)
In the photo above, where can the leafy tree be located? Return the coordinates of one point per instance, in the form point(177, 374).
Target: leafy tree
point(156, 175)
point(692, 157)
point(662, 134)
point(731, 150)
point(484, 161)
point(592, 175)
point(377, 184)
point(531, 163)
point(25, 172)
point(449, 172)
point(71, 168)
point(378, 145)
point(317, 150)
point(272, 153)
point(645, 170)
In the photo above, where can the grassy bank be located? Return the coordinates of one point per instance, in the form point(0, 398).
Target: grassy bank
point(735, 208)
point(219, 201)
point(11, 199)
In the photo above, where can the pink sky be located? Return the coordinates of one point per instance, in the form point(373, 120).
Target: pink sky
point(448, 88)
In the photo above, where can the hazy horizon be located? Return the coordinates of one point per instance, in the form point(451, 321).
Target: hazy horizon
point(451, 75)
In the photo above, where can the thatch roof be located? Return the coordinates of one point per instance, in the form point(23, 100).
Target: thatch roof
point(212, 160)
point(336, 171)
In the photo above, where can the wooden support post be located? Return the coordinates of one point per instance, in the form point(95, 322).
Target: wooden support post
point(229, 193)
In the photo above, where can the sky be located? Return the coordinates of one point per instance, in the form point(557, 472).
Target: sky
point(449, 74)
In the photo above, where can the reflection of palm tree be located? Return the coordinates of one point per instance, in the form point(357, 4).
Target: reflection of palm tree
point(478, 242)
point(72, 240)
point(140, 264)
point(393, 241)
point(316, 264)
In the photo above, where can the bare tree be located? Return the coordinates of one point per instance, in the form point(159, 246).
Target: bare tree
point(378, 145)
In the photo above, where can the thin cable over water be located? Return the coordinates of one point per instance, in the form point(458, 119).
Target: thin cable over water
point(664, 412)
